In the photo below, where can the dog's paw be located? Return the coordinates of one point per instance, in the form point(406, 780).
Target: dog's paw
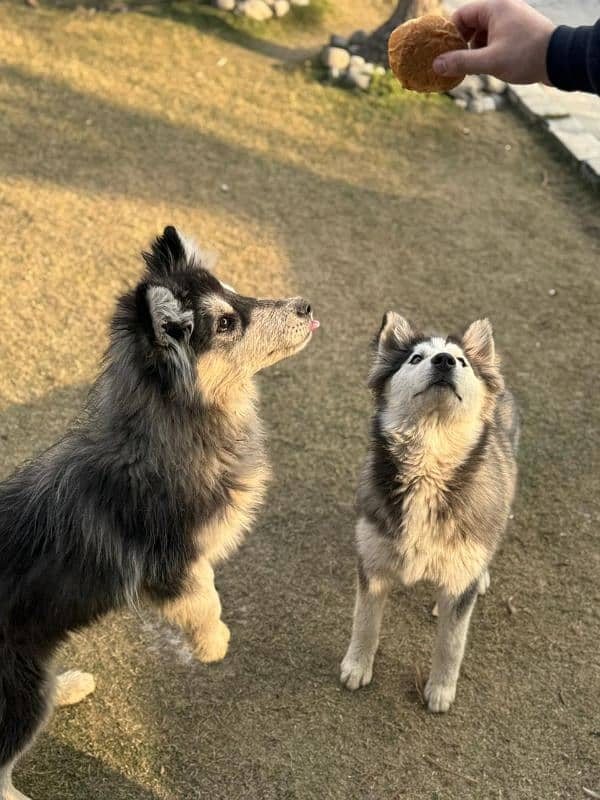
point(355, 673)
point(73, 686)
point(211, 646)
point(439, 697)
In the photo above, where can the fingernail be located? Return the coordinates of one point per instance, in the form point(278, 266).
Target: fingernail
point(439, 65)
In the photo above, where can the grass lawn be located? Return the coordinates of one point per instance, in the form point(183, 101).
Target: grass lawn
point(113, 126)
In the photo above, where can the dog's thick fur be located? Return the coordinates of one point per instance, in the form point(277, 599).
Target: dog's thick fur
point(153, 486)
point(436, 488)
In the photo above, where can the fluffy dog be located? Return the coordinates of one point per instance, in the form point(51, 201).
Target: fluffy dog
point(151, 488)
point(436, 488)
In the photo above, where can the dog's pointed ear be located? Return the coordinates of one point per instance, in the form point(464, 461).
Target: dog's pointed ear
point(479, 347)
point(478, 342)
point(395, 331)
point(173, 251)
point(395, 335)
point(166, 255)
point(171, 323)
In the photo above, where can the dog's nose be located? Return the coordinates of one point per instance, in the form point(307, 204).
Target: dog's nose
point(443, 361)
point(303, 308)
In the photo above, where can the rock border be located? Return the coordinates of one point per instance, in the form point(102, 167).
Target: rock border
point(344, 66)
point(259, 10)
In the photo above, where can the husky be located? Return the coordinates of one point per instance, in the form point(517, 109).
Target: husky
point(435, 490)
point(153, 486)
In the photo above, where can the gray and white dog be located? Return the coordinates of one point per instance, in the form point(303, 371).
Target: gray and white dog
point(436, 488)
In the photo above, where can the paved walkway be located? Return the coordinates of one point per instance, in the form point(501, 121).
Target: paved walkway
point(572, 118)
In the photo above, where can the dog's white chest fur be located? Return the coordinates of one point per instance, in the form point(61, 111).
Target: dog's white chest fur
point(432, 546)
point(224, 533)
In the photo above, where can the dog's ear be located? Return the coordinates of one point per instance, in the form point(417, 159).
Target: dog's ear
point(170, 327)
point(478, 341)
point(395, 338)
point(395, 331)
point(479, 347)
point(175, 252)
point(171, 323)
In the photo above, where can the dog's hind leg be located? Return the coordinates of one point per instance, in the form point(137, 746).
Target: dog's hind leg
point(198, 612)
point(371, 594)
point(72, 687)
point(454, 614)
point(25, 694)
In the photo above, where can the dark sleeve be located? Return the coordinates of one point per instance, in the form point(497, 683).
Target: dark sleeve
point(573, 58)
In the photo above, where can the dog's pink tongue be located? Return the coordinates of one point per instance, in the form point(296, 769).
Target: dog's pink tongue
point(314, 324)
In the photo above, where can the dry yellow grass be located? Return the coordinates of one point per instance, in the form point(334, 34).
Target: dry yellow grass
point(112, 127)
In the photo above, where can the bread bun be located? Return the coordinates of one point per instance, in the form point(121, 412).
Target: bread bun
point(414, 46)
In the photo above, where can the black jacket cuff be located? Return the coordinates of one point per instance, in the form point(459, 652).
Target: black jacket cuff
point(573, 58)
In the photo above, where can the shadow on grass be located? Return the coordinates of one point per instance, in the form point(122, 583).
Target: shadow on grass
point(62, 771)
point(27, 429)
point(73, 138)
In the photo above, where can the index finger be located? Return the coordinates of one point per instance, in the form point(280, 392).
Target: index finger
point(471, 18)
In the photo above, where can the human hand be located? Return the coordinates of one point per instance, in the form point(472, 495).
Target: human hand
point(507, 38)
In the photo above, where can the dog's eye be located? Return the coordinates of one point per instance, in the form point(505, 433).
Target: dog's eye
point(225, 323)
point(415, 359)
point(462, 361)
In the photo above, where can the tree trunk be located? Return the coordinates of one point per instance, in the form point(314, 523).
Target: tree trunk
point(374, 48)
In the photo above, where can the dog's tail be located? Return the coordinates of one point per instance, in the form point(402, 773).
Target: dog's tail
point(72, 687)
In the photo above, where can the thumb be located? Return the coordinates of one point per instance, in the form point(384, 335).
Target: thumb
point(465, 62)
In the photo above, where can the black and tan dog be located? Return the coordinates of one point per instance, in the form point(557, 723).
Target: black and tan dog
point(436, 488)
point(153, 486)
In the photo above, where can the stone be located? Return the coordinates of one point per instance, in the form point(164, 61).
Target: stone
point(224, 5)
point(335, 73)
point(479, 105)
point(582, 146)
point(591, 169)
point(359, 37)
point(493, 85)
point(458, 93)
point(379, 71)
point(335, 57)
point(367, 68)
point(461, 103)
point(568, 124)
point(538, 101)
point(301, 3)
point(357, 61)
point(499, 101)
point(336, 40)
point(281, 7)
point(471, 86)
point(256, 9)
point(355, 78)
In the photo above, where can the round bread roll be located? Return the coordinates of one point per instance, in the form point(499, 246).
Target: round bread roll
point(414, 46)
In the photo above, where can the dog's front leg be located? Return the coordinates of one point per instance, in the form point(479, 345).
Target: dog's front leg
point(454, 614)
point(198, 612)
point(357, 666)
